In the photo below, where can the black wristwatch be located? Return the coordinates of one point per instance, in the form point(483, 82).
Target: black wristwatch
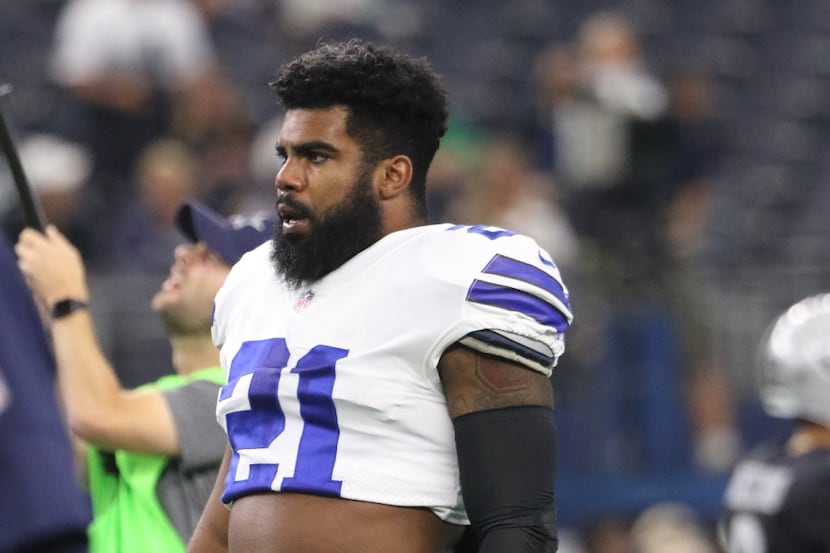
point(67, 306)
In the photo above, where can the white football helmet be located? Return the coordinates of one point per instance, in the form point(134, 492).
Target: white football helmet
point(795, 362)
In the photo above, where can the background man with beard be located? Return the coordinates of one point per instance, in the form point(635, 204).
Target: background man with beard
point(379, 368)
point(152, 453)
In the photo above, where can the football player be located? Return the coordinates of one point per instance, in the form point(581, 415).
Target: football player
point(777, 500)
point(388, 380)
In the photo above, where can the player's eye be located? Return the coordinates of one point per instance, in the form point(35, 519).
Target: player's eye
point(316, 158)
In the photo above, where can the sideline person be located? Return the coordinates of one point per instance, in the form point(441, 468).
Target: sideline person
point(153, 452)
point(43, 509)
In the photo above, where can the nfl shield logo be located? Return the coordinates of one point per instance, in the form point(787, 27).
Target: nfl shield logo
point(304, 300)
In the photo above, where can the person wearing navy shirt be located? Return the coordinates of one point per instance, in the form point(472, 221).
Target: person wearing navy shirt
point(43, 509)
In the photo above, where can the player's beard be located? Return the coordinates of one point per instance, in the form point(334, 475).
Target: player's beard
point(336, 236)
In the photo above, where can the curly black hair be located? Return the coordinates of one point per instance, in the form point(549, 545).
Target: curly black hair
point(396, 103)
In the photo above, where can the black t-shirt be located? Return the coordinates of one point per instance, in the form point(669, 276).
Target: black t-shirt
point(776, 502)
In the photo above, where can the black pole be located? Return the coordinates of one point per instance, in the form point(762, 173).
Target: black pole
point(32, 211)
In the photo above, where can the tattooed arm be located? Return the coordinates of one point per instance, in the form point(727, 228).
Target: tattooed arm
point(506, 442)
point(476, 382)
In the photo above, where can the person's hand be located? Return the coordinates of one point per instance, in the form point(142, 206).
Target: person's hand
point(52, 266)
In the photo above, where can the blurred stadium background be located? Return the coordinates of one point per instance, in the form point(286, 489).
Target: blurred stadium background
point(765, 240)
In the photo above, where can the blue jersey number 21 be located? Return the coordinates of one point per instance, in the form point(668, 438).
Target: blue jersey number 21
point(257, 427)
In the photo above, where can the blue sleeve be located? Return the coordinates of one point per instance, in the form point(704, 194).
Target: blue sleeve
point(42, 508)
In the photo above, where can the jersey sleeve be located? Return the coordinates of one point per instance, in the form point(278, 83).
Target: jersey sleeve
point(513, 303)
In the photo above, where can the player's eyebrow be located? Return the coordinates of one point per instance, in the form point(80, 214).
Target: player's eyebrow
point(305, 148)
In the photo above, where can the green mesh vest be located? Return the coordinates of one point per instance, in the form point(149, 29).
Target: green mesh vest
point(127, 515)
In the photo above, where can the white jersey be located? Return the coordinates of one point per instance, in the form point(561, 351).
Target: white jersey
point(333, 389)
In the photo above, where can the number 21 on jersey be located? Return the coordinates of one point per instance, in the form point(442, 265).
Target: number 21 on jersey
point(287, 453)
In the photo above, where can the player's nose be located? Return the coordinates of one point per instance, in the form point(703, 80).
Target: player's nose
point(290, 176)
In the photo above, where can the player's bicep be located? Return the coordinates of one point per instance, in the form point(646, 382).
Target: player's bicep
point(505, 436)
point(473, 381)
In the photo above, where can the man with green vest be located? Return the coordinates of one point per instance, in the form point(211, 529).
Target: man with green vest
point(152, 453)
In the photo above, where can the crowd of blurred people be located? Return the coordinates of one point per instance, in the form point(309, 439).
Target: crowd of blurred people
point(633, 158)
point(163, 101)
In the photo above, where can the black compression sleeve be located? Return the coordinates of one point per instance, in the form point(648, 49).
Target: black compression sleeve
point(507, 460)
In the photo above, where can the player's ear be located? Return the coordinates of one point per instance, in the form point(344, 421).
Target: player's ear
point(396, 174)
